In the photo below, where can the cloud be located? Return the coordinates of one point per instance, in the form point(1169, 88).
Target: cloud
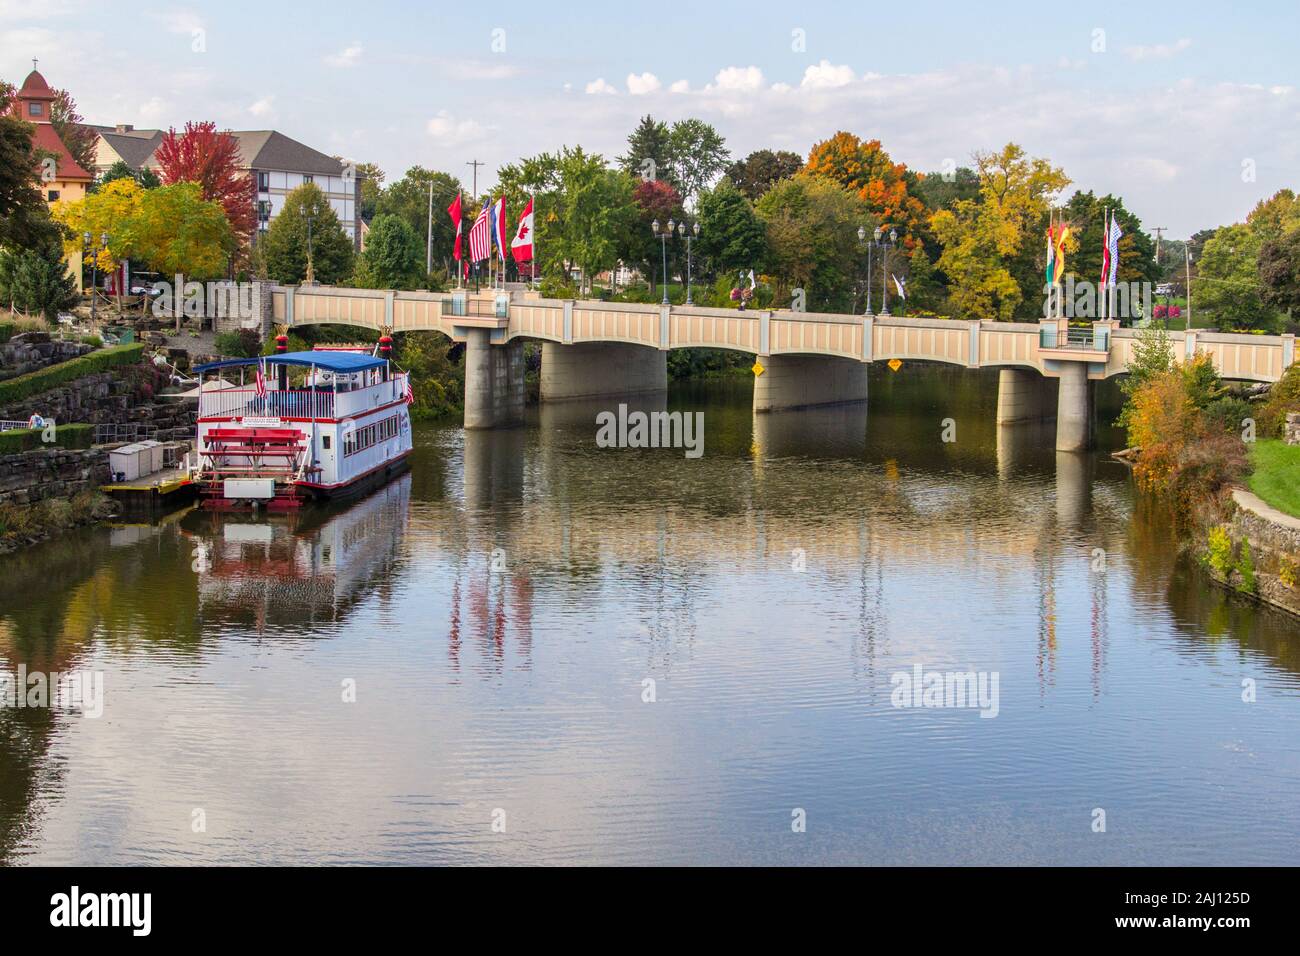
point(1159, 51)
point(639, 84)
point(599, 86)
point(450, 130)
point(347, 57)
point(680, 86)
point(825, 75)
point(745, 79)
point(263, 107)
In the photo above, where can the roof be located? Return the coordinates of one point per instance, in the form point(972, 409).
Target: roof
point(268, 149)
point(329, 361)
point(35, 88)
point(134, 148)
point(47, 140)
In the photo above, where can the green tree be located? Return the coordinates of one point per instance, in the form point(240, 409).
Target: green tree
point(1137, 250)
point(145, 178)
point(36, 280)
point(408, 198)
point(1279, 272)
point(393, 257)
point(1227, 283)
point(732, 237)
point(24, 216)
point(651, 140)
point(944, 190)
point(761, 170)
point(698, 155)
point(925, 293)
point(372, 187)
point(285, 243)
point(812, 224)
point(594, 208)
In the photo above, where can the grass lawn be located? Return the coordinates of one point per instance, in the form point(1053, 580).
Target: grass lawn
point(1276, 478)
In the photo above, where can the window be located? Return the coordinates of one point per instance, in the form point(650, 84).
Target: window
point(33, 109)
point(325, 442)
point(54, 195)
point(263, 211)
point(263, 181)
point(308, 178)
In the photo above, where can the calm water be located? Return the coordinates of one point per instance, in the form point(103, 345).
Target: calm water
point(500, 611)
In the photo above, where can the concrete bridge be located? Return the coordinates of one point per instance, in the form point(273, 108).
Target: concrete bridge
point(604, 349)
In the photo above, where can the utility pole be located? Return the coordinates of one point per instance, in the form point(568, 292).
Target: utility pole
point(476, 164)
point(428, 246)
point(1159, 231)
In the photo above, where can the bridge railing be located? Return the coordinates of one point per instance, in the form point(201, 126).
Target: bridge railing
point(1094, 339)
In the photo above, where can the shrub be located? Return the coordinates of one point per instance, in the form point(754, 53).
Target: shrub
point(1286, 572)
point(94, 340)
point(37, 281)
point(1227, 413)
point(42, 380)
point(1283, 397)
point(243, 343)
point(1219, 550)
point(27, 439)
point(1246, 568)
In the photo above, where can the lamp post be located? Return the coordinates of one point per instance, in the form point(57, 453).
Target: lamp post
point(94, 264)
point(663, 243)
point(1189, 288)
point(311, 272)
point(885, 247)
point(875, 240)
point(692, 233)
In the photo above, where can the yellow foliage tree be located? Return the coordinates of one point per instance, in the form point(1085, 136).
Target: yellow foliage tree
point(111, 211)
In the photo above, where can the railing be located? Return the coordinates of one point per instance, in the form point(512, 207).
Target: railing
point(459, 304)
point(246, 403)
point(372, 396)
point(1093, 340)
point(107, 433)
point(7, 426)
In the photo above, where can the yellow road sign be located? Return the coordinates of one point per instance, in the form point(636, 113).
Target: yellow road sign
point(757, 368)
point(895, 365)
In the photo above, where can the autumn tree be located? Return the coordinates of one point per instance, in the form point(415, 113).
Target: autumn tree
point(761, 170)
point(211, 159)
point(887, 189)
point(985, 241)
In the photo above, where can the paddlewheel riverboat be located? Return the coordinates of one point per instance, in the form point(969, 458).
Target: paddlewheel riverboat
point(297, 426)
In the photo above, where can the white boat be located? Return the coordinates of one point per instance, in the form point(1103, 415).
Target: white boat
point(322, 424)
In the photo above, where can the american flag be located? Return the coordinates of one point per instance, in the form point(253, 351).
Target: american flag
point(480, 236)
point(261, 378)
point(407, 392)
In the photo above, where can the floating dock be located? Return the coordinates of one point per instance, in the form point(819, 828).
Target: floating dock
point(161, 489)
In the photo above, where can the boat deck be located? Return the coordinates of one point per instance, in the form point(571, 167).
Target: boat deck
point(165, 486)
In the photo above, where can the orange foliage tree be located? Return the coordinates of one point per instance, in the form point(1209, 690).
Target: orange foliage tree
point(885, 186)
point(210, 158)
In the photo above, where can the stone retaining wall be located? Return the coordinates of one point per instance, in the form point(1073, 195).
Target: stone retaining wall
point(32, 476)
point(1274, 540)
point(32, 351)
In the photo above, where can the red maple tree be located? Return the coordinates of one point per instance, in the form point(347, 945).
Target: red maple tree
point(210, 158)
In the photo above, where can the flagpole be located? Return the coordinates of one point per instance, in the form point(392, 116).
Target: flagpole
point(1105, 263)
point(532, 199)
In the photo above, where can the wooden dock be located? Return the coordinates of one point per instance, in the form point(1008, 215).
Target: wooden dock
point(163, 488)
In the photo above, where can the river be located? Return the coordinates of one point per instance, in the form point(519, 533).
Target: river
point(531, 649)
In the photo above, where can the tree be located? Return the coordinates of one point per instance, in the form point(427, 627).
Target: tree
point(36, 280)
point(24, 216)
point(651, 140)
point(887, 188)
point(408, 199)
point(112, 210)
point(812, 224)
point(944, 190)
point(925, 293)
point(393, 257)
point(989, 243)
point(1279, 272)
point(285, 243)
point(699, 155)
point(732, 237)
point(372, 186)
point(68, 123)
point(1227, 284)
point(210, 158)
point(594, 207)
point(177, 231)
point(146, 177)
point(761, 170)
point(1137, 250)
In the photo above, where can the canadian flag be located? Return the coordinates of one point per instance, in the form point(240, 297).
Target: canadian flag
point(521, 246)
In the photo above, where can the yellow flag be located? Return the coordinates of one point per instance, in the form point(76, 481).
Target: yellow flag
point(1060, 255)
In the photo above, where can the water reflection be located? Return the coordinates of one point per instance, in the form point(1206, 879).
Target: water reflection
point(500, 607)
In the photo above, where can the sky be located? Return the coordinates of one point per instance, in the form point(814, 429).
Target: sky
point(1187, 111)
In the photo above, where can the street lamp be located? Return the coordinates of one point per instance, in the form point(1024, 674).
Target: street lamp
point(663, 243)
point(692, 233)
point(885, 247)
point(1189, 288)
point(94, 264)
point(311, 272)
point(875, 241)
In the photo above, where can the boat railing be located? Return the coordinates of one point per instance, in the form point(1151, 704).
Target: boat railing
point(361, 400)
point(245, 402)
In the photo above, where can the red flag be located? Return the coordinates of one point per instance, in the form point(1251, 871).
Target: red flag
point(522, 244)
point(454, 211)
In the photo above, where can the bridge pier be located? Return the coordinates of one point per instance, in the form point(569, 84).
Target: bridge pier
point(1024, 395)
point(1074, 408)
point(494, 381)
point(805, 381)
point(601, 369)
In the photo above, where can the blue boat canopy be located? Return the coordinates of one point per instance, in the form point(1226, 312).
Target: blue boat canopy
point(327, 360)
